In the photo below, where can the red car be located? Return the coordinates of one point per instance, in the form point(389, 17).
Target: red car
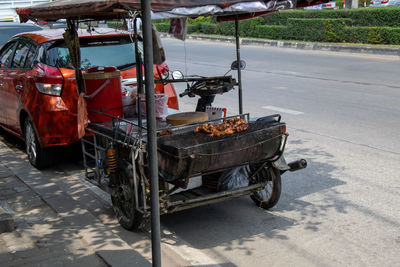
point(38, 95)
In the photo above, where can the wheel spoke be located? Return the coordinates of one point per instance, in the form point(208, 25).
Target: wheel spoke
point(31, 142)
point(268, 196)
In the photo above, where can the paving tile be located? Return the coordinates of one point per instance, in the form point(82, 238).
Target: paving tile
point(20, 189)
point(8, 193)
point(10, 182)
point(17, 242)
point(54, 229)
point(4, 172)
point(61, 203)
point(6, 221)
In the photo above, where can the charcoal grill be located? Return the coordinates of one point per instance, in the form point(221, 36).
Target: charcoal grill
point(187, 153)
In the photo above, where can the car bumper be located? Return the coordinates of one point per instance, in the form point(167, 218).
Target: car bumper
point(55, 123)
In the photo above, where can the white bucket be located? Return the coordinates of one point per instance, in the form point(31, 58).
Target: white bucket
point(161, 107)
point(129, 106)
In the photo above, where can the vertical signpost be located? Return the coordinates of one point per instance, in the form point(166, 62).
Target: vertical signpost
point(151, 132)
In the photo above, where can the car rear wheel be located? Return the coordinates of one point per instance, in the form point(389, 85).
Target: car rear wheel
point(39, 157)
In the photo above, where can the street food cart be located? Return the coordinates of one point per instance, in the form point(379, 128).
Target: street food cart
point(148, 165)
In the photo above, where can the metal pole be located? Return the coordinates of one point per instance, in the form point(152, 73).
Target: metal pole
point(151, 132)
point(139, 76)
point(238, 60)
point(74, 49)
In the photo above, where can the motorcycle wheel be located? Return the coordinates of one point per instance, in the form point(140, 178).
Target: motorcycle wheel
point(267, 197)
point(123, 199)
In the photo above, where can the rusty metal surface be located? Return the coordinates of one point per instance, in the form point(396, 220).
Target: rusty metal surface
point(184, 154)
point(103, 9)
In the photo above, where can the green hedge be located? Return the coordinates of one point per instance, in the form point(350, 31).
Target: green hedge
point(194, 28)
point(271, 32)
point(314, 30)
point(373, 35)
point(210, 28)
point(319, 30)
point(115, 24)
point(375, 17)
point(162, 27)
point(391, 36)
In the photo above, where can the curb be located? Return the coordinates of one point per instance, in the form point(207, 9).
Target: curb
point(362, 49)
point(6, 221)
point(6, 218)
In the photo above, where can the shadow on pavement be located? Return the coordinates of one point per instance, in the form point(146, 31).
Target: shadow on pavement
point(234, 223)
point(67, 233)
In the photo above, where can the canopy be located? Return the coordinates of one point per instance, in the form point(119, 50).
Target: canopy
point(105, 9)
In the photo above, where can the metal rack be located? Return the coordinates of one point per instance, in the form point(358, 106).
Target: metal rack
point(128, 140)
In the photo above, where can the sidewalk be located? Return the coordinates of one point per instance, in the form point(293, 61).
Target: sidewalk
point(40, 237)
point(347, 48)
point(53, 229)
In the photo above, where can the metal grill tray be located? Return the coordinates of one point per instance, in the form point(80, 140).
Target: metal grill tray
point(186, 153)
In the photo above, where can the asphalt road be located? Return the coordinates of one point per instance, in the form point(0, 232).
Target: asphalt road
point(343, 116)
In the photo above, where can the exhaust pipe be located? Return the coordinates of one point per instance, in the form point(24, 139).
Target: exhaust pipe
point(297, 165)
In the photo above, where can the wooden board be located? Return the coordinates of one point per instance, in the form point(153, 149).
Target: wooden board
point(186, 117)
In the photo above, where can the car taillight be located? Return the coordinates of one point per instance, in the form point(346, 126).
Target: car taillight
point(48, 80)
point(163, 71)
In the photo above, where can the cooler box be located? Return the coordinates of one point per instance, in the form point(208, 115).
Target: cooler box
point(103, 93)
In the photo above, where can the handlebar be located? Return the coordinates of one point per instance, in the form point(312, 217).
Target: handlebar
point(186, 92)
point(209, 86)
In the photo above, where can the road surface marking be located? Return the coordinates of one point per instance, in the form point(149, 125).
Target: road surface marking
point(283, 110)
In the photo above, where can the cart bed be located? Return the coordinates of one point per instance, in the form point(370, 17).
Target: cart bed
point(183, 154)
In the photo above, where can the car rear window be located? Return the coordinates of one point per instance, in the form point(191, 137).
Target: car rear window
point(118, 52)
point(6, 56)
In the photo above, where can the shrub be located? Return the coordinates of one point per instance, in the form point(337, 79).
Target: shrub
point(194, 28)
point(115, 24)
point(199, 20)
point(227, 28)
point(375, 17)
point(391, 36)
point(209, 28)
point(374, 35)
point(162, 27)
point(357, 34)
point(320, 30)
point(275, 32)
point(308, 25)
point(248, 27)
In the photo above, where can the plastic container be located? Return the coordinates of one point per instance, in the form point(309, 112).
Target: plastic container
point(160, 102)
point(103, 93)
point(129, 106)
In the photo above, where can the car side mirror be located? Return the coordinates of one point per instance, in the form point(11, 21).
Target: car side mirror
point(234, 65)
point(177, 75)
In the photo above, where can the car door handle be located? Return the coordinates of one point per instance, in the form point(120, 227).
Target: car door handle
point(18, 87)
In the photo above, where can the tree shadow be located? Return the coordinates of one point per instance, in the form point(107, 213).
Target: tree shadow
point(66, 230)
point(233, 224)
